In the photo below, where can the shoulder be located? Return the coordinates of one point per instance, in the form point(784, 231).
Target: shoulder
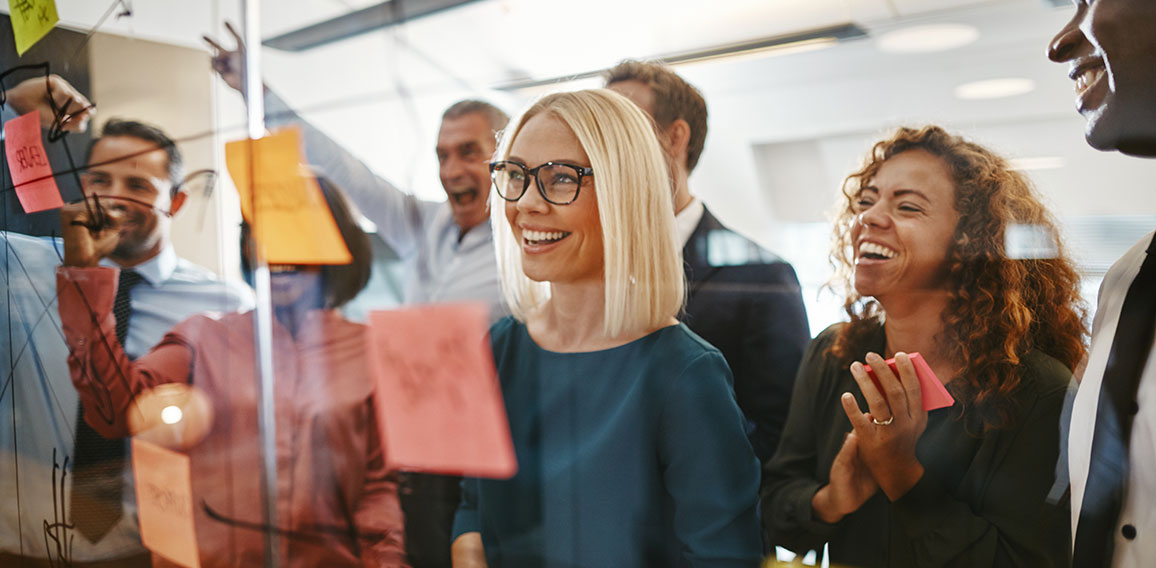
point(720, 245)
point(210, 324)
point(504, 327)
point(190, 275)
point(1120, 275)
point(1042, 377)
point(827, 337)
point(676, 352)
point(504, 336)
point(680, 343)
point(34, 248)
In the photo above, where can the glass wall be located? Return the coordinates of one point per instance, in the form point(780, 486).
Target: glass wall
point(395, 325)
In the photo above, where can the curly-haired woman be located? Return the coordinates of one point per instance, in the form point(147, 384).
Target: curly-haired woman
point(920, 248)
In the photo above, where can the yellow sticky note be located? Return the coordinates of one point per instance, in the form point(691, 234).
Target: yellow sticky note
point(31, 20)
point(291, 220)
point(164, 498)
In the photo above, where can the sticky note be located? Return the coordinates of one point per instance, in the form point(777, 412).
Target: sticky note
point(282, 201)
point(439, 406)
point(31, 20)
point(935, 395)
point(31, 172)
point(164, 499)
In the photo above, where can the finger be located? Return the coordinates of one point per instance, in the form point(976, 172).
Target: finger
point(892, 388)
point(910, 381)
point(216, 46)
point(876, 403)
point(65, 93)
point(851, 445)
point(859, 421)
point(236, 36)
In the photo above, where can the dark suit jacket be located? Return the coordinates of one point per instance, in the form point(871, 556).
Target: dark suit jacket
point(747, 302)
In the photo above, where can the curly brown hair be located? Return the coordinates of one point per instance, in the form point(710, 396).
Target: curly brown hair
point(999, 307)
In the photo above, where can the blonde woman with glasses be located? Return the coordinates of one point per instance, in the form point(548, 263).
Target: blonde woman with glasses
point(631, 449)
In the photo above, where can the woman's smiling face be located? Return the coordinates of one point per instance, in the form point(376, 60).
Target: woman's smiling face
point(559, 243)
point(905, 227)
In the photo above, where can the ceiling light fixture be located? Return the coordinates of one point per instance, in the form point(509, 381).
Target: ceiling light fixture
point(994, 88)
point(365, 20)
point(927, 39)
point(1036, 163)
point(808, 40)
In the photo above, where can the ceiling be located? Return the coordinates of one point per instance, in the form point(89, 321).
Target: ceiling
point(381, 94)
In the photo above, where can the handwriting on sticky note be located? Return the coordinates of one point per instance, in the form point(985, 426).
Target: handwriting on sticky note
point(31, 172)
point(31, 21)
point(935, 395)
point(438, 402)
point(284, 205)
point(164, 497)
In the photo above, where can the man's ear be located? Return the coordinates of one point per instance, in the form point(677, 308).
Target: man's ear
point(678, 136)
point(178, 201)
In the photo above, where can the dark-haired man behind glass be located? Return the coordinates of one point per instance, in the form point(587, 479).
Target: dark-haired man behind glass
point(741, 298)
point(38, 450)
point(1110, 49)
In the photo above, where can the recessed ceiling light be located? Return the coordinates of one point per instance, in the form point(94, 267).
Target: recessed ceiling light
point(927, 39)
point(1036, 163)
point(994, 88)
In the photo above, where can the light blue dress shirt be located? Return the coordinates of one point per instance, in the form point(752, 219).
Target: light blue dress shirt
point(441, 268)
point(38, 403)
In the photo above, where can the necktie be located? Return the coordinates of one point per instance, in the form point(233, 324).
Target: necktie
point(98, 464)
point(1108, 469)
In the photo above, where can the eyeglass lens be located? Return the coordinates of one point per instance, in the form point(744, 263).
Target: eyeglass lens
point(558, 182)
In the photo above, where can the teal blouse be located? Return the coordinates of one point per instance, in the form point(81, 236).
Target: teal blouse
point(631, 456)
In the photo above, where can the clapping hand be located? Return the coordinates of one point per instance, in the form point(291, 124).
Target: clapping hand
point(888, 432)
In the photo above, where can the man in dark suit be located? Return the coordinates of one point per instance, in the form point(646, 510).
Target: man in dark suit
point(741, 298)
point(1110, 51)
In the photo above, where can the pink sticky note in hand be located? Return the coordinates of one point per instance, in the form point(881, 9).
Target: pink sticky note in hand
point(31, 172)
point(935, 395)
point(439, 405)
point(164, 498)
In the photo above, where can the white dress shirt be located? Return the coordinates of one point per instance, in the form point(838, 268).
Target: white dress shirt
point(38, 403)
point(686, 221)
point(1139, 510)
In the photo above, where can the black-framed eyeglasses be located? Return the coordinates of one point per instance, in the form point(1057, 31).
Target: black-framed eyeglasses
point(557, 183)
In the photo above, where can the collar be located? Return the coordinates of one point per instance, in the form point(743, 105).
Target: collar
point(482, 229)
point(155, 270)
point(686, 221)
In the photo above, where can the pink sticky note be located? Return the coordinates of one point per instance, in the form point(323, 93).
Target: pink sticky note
point(31, 172)
point(935, 395)
point(164, 499)
point(439, 406)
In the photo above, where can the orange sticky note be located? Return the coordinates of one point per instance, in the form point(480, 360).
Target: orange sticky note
point(31, 21)
point(291, 220)
point(934, 394)
point(164, 500)
point(31, 172)
point(439, 406)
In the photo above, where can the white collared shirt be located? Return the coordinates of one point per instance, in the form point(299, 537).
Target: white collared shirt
point(1139, 510)
point(686, 221)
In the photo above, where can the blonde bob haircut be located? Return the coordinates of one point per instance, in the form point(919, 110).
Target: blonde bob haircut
point(642, 265)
